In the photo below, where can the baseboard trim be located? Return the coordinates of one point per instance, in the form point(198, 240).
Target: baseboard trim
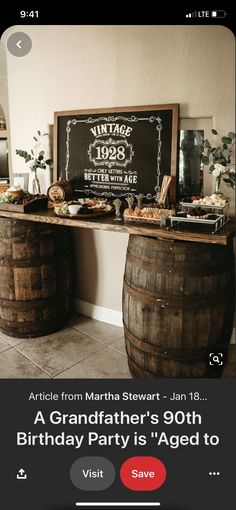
point(108, 315)
point(233, 336)
point(98, 312)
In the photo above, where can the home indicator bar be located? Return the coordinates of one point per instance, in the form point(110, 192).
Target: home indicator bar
point(109, 504)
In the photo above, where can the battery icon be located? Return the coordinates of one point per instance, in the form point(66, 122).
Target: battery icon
point(218, 14)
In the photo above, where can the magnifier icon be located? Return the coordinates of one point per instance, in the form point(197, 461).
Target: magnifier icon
point(216, 359)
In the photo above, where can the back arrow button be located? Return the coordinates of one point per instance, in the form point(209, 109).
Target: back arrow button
point(19, 44)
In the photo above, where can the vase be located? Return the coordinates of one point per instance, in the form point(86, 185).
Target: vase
point(217, 185)
point(36, 185)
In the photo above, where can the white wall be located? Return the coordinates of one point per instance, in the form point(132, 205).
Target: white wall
point(4, 95)
point(75, 67)
point(3, 82)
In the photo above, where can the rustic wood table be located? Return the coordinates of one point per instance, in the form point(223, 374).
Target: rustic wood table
point(178, 297)
point(184, 232)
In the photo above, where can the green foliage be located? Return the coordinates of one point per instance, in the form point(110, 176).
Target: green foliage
point(219, 158)
point(226, 140)
point(35, 159)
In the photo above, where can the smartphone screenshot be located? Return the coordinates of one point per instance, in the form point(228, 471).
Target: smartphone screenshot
point(117, 260)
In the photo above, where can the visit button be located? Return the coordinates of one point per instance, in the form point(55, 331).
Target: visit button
point(143, 473)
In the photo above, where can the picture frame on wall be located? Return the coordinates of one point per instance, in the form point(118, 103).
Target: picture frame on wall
point(21, 180)
point(117, 152)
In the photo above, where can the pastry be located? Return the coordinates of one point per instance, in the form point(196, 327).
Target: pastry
point(14, 192)
point(213, 200)
point(137, 211)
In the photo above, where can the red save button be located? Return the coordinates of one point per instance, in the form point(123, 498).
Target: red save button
point(143, 473)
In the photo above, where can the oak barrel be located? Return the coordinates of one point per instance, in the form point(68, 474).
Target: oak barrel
point(178, 306)
point(60, 191)
point(35, 277)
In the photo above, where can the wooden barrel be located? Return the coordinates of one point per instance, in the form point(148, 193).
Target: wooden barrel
point(60, 191)
point(178, 305)
point(35, 277)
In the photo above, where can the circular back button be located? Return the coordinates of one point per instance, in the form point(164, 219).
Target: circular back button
point(19, 44)
point(143, 473)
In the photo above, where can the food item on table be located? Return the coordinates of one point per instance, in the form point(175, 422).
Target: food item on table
point(128, 212)
point(74, 208)
point(196, 212)
point(22, 198)
point(155, 212)
point(86, 210)
point(108, 208)
point(64, 209)
point(181, 214)
point(14, 192)
point(211, 216)
point(152, 213)
point(213, 200)
point(137, 211)
point(91, 202)
point(82, 207)
point(58, 207)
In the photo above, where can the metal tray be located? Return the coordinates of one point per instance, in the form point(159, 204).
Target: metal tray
point(198, 220)
point(218, 223)
point(205, 206)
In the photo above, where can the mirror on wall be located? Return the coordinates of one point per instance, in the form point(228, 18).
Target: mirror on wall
point(4, 172)
point(4, 168)
point(190, 166)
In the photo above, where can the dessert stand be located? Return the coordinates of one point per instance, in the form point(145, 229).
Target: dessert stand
point(221, 211)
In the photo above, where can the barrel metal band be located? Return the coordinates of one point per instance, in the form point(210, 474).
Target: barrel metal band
point(173, 354)
point(183, 302)
point(29, 329)
point(33, 236)
point(36, 261)
point(140, 372)
point(211, 270)
point(35, 303)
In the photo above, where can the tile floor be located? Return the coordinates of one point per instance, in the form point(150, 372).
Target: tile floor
point(85, 348)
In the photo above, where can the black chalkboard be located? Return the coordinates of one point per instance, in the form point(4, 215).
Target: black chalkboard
point(116, 152)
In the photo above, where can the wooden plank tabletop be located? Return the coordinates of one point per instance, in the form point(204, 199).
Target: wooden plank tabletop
point(183, 232)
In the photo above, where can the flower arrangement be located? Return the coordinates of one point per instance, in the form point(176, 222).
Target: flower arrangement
point(219, 158)
point(35, 159)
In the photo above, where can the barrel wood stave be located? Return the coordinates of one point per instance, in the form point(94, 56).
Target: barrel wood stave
point(178, 297)
point(35, 278)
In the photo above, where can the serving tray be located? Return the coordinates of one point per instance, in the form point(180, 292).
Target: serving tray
point(33, 205)
point(198, 220)
point(85, 216)
point(206, 206)
point(217, 223)
point(142, 219)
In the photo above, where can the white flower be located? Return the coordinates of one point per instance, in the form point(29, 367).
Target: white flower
point(216, 172)
point(219, 169)
point(32, 163)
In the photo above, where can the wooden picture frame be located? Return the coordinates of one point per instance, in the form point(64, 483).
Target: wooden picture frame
point(117, 152)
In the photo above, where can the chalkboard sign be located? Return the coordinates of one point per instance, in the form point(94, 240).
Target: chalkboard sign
point(116, 152)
